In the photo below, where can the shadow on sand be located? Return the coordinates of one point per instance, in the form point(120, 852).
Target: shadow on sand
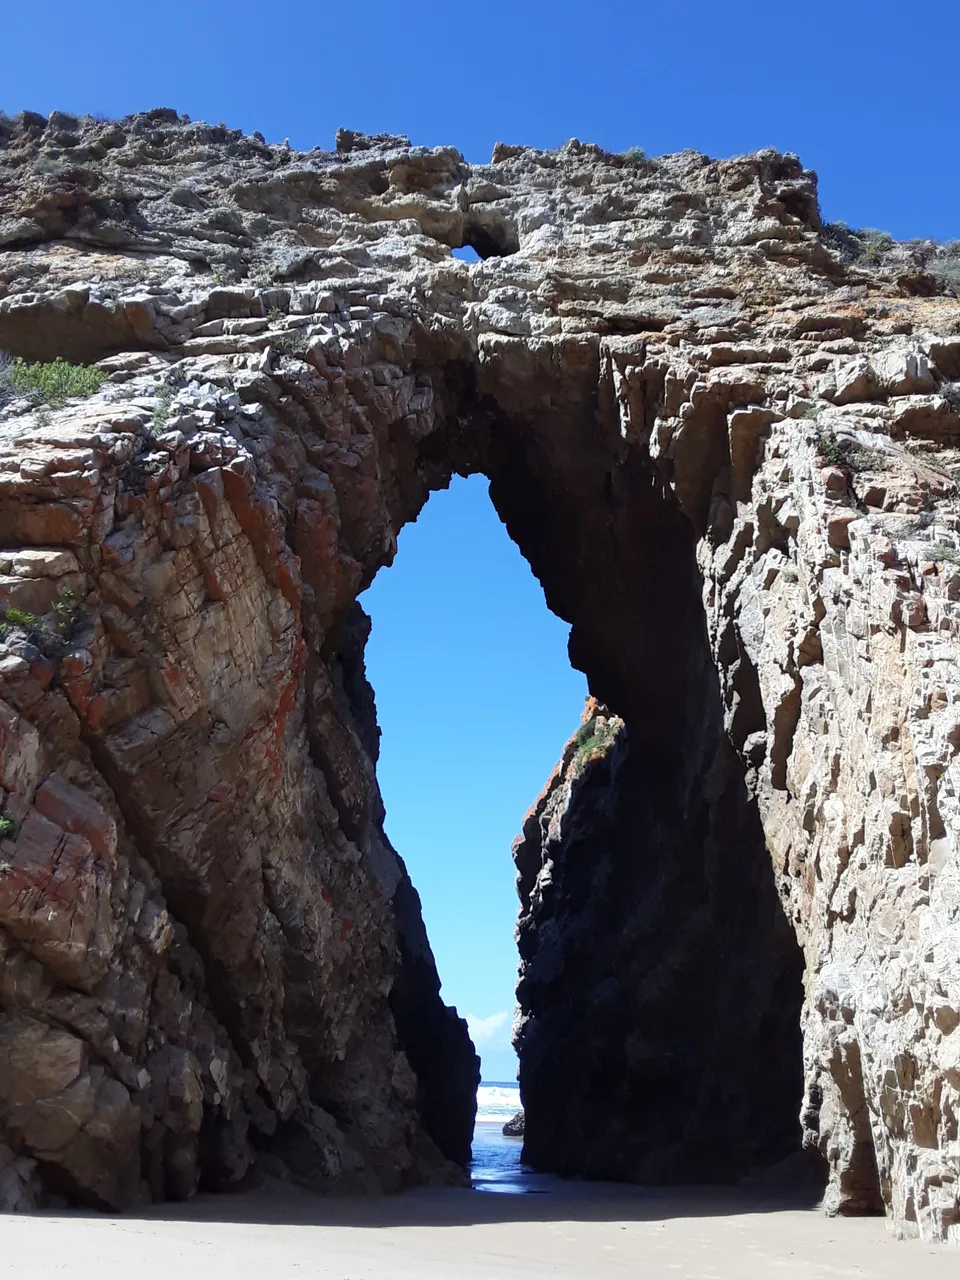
point(539, 1198)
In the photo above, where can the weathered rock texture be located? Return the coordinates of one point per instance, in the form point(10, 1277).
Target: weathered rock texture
point(725, 452)
point(660, 983)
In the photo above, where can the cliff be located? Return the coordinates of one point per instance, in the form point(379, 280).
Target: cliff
point(724, 438)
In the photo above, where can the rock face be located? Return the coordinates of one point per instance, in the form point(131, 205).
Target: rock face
point(726, 452)
point(681, 962)
point(514, 1126)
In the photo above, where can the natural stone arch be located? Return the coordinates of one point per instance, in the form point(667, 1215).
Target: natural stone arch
point(655, 381)
point(656, 960)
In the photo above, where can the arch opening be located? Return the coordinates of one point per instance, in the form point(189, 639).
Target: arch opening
point(489, 235)
point(660, 983)
point(474, 692)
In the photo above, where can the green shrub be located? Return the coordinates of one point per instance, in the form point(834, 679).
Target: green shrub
point(585, 749)
point(9, 828)
point(946, 271)
point(164, 393)
point(593, 739)
point(873, 244)
point(291, 343)
point(635, 155)
point(65, 612)
point(54, 383)
point(865, 245)
point(940, 551)
point(50, 633)
point(839, 452)
point(223, 275)
point(6, 364)
point(20, 618)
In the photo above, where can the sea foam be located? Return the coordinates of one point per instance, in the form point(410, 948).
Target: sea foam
point(497, 1101)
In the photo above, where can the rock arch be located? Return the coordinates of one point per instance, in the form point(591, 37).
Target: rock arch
point(692, 413)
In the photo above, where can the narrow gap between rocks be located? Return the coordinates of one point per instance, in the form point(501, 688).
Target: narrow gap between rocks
point(475, 697)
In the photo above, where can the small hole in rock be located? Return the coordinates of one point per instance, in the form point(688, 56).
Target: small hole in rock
point(489, 236)
point(466, 253)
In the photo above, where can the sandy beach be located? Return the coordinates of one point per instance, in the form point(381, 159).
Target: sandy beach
point(573, 1231)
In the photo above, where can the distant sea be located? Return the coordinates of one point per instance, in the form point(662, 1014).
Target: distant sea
point(496, 1159)
point(497, 1101)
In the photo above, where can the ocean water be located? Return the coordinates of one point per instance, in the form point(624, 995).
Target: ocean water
point(496, 1162)
point(497, 1100)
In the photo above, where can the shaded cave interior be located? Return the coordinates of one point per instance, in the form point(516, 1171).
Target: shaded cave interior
point(661, 984)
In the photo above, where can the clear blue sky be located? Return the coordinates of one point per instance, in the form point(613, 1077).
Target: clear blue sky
point(475, 697)
point(866, 91)
point(474, 691)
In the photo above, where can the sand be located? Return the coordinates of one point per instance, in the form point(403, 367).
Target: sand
point(574, 1231)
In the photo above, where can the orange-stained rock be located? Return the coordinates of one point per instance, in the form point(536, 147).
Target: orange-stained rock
point(55, 895)
point(77, 812)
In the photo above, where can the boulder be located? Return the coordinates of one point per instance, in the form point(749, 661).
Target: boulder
point(514, 1128)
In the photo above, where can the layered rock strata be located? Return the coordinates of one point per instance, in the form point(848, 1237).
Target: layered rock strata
point(726, 452)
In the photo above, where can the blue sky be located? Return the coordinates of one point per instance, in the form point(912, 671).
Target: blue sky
point(866, 91)
point(474, 691)
point(475, 697)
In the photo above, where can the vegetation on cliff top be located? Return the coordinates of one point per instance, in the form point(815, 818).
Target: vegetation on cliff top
point(594, 738)
point(868, 247)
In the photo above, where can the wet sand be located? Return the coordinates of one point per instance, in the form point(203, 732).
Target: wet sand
point(545, 1228)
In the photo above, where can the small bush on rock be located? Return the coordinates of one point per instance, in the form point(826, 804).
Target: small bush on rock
point(946, 271)
point(593, 739)
point(20, 618)
point(839, 452)
point(865, 245)
point(9, 828)
point(290, 343)
point(161, 414)
point(54, 383)
point(65, 612)
point(940, 551)
point(50, 633)
point(873, 244)
point(6, 365)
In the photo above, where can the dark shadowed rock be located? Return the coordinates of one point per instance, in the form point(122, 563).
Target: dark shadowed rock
point(514, 1128)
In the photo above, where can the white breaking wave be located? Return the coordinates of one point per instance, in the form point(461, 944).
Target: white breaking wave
point(497, 1102)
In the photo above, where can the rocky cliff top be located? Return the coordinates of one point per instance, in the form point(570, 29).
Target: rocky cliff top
point(576, 240)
